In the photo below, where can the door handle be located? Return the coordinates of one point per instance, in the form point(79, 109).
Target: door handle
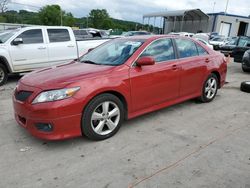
point(174, 67)
point(71, 46)
point(41, 48)
point(207, 60)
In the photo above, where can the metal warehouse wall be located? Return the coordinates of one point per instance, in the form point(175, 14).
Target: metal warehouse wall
point(215, 25)
point(188, 26)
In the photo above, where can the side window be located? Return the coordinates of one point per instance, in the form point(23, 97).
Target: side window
point(161, 50)
point(32, 36)
point(201, 50)
point(58, 35)
point(186, 48)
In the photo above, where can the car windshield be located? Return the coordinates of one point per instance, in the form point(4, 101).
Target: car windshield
point(232, 41)
point(6, 35)
point(115, 52)
point(218, 39)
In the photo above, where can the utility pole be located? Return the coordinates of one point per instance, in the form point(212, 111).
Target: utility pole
point(61, 16)
point(226, 7)
point(214, 6)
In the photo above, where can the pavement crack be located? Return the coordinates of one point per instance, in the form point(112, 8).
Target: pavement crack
point(178, 162)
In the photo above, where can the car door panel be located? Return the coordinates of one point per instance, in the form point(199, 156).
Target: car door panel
point(62, 48)
point(32, 54)
point(158, 83)
point(152, 85)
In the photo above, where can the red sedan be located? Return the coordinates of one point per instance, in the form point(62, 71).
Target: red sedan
point(118, 80)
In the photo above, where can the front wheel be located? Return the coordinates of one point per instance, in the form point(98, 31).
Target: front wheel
point(210, 88)
point(3, 75)
point(102, 117)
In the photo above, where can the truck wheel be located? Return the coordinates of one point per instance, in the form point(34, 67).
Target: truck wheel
point(3, 75)
point(245, 69)
point(210, 88)
point(245, 86)
point(102, 117)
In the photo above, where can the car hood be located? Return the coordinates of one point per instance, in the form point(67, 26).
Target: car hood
point(62, 75)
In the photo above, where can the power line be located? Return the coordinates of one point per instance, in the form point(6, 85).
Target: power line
point(11, 2)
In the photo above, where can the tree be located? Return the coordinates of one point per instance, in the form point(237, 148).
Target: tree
point(50, 15)
point(3, 5)
point(68, 19)
point(54, 15)
point(99, 18)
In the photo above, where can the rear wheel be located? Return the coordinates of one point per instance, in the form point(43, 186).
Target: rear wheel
point(244, 69)
point(3, 75)
point(210, 88)
point(102, 117)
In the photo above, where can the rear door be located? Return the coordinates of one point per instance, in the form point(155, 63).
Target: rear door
point(62, 46)
point(155, 84)
point(193, 66)
point(32, 53)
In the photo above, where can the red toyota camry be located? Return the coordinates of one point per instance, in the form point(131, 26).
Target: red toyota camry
point(118, 80)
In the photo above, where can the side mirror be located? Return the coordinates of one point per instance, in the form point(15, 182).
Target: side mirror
point(146, 60)
point(17, 41)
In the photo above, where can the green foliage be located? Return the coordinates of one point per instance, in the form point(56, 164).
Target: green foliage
point(2, 19)
point(51, 15)
point(99, 18)
point(54, 15)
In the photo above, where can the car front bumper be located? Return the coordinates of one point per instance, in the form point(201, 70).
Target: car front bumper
point(64, 116)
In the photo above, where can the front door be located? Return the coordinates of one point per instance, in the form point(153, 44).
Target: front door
point(155, 84)
point(32, 53)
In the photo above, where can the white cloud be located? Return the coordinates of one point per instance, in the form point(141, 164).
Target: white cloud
point(133, 10)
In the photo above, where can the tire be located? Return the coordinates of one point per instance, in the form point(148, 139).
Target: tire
point(245, 69)
point(210, 88)
point(3, 75)
point(97, 123)
point(245, 86)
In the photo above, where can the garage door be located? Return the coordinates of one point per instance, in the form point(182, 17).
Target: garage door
point(225, 29)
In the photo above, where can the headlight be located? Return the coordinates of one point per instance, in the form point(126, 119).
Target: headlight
point(55, 95)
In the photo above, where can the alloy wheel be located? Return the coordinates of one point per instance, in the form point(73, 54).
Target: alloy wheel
point(211, 88)
point(105, 118)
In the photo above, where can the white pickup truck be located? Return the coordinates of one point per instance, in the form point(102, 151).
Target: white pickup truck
point(31, 48)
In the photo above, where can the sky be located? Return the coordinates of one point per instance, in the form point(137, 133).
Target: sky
point(133, 10)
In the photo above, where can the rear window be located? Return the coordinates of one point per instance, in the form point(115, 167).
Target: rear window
point(186, 48)
point(58, 35)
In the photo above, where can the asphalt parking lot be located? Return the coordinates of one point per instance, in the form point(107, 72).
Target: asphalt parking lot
point(187, 145)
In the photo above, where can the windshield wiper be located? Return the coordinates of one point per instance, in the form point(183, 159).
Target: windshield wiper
point(89, 62)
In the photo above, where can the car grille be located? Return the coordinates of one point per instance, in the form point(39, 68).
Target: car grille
point(22, 95)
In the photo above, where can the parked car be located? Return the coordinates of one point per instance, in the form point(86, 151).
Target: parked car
point(242, 46)
point(135, 33)
point(31, 48)
point(213, 34)
point(205, 42)
point(88, 33)
point(246, 61)
point(217, 41)
point(229, 44)
point(184, 34)
point(121, 79)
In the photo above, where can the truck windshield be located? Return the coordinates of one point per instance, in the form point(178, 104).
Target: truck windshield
point(114, 52)
point(6, 35)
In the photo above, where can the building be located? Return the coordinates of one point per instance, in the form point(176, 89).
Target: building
point(229, 24)
point(195, 20)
